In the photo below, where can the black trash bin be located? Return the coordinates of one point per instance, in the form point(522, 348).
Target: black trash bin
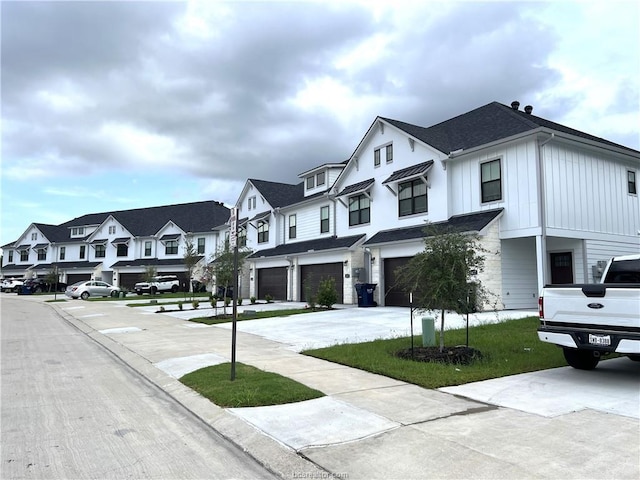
point(365, 294)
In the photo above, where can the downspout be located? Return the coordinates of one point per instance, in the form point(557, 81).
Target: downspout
point(542, 213)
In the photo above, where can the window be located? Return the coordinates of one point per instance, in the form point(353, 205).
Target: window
point(10, 256)
point(292, 226)
point(112, 230)
point(24, 255)
point(412, 198)
point(359, 210)
point(242, 236)
point(42, 254)
point(63, 252)
point(251, 203)
point(147, 248)
point(122, 250)
point(34, 236)
point(263, 231)
point(324, 219)
point(320, 178)
point(171, 247)
point(201, 245)
point(376, 157)
point(389, 151)
point(83, 250)
point(101, 251)
point(311, 182)
point(77, 231)
point(631, 182)
point(490, 182)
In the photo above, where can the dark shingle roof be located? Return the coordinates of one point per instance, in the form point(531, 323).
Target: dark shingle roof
point(483, 125)
point(472, 222)
point(357, 187)
point(411, 171)
point(144, 262)
point(319, 244)
point(279, 194)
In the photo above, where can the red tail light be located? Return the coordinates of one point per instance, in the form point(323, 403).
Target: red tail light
point(541, 307)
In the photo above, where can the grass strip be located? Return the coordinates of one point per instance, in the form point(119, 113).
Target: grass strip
point(252, 387)
point(213, 320)
point(508, 348)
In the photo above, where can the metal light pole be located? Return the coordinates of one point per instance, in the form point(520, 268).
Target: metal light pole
point(233, 242)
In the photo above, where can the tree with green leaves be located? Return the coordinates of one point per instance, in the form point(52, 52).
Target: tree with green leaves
point(221, 266)
point(443, 276)
point(191, 258)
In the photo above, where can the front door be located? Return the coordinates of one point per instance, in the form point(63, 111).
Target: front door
point(561, 267)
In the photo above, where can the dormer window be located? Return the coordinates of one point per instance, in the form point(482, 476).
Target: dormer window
point(320, 179)
point(311, 182)
point(77, 232)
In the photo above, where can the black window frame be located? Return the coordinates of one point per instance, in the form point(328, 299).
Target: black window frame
point(414, 199)
point(42, 254)
point(376, 157)
point(263, 231)
point(147, 251)
point(389, 152)
point(292, 226)
point(486, 197)
point(632, 186)
point(311, 182)
point(83, 252)
point(360, 215)
point(24, 256)
point(321, 178)
point(100, 251)
point(201, 245)
point(324, 222)
point(171, 247)
point(122, 250)
point(242, 236)
point(10, 254)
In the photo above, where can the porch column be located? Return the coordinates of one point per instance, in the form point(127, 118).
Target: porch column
point(541, 261)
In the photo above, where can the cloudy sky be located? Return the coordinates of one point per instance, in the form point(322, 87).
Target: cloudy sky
point(114, 105)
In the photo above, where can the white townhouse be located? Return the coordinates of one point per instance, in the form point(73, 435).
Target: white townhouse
point(117, 247)
point(551, 203)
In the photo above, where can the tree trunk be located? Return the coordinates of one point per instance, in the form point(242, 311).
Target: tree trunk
point(442, 331)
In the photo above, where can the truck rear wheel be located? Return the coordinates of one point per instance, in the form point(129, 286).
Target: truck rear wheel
point(581, 359)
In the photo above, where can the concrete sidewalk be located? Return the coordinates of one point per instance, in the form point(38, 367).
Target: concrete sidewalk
point(369, 426)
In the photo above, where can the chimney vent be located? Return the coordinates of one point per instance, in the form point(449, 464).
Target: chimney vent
point(528, 109)
point(515, 105)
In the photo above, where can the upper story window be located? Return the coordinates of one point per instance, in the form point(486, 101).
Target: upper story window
point(10, 256)
point(376, 157)
point(42, 254)
point(77, 231)
point(63, 252)
point(201, 245)
point(263, 231)
point(320, 179)
point(83, 252)
point(324, 219)
point(24, 255)
point(412, 197)
point(112, 230)
point(359, 210)
point(242, 236)
point(251, 203)
point(292, 226)
point(34, 236)
point(147, 248)
point(631, 182)
point(491, 181)
point(311, 182)
point(101, 251)
point(389, 152)
point(122, 250)
point(171, 247)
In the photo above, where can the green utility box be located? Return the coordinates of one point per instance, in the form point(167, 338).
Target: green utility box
point(428, 332)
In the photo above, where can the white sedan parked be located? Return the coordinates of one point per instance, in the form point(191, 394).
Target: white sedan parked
point(91, 288)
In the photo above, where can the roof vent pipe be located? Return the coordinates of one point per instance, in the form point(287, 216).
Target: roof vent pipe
point(528, 109)
point(515, 105)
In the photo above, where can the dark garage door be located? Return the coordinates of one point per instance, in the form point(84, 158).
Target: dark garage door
point(311, 275)
point(394, 296)
point(77, 277)
point(128, 280)
point(272, 281)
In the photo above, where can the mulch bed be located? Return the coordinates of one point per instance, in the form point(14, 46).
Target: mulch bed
point(459, 355)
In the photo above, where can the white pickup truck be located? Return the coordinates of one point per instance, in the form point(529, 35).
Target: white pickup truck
point(166, 283)
point(592, 320)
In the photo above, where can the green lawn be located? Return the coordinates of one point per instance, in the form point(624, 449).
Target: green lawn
point(212, 320)
point(251, 388)
point(508, 348)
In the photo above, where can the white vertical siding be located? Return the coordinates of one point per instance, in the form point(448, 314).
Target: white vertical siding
point(601, 250)
point(519, 278)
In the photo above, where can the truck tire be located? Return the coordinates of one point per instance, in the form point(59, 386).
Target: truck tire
point(153, 290)
point(174, 288)
point(581, 359)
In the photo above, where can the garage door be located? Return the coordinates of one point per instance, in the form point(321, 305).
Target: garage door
point(78, 277)
point(128, 280)
point(311, 275)
point(272, 281)
point(394, 295)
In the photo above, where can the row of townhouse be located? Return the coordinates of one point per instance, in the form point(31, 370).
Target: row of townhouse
point(551, 203)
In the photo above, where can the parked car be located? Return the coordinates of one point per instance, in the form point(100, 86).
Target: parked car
point(160, 284)
point(91, 288)
point(198, 286)
point(38, 285)
point(12, 285)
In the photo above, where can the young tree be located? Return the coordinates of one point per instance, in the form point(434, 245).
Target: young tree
point(191, 258)
point(441, 276)
point(149, 273)
point(221, 267)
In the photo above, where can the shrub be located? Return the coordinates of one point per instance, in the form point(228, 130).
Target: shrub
point(268, 298)
point(239, 300)
point(227, 301)
point(162, 309)
point(327, 294)
point(253, 300)
point(180, 305)
point(195, 304)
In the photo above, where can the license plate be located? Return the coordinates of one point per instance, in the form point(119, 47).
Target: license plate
point(602, 340)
